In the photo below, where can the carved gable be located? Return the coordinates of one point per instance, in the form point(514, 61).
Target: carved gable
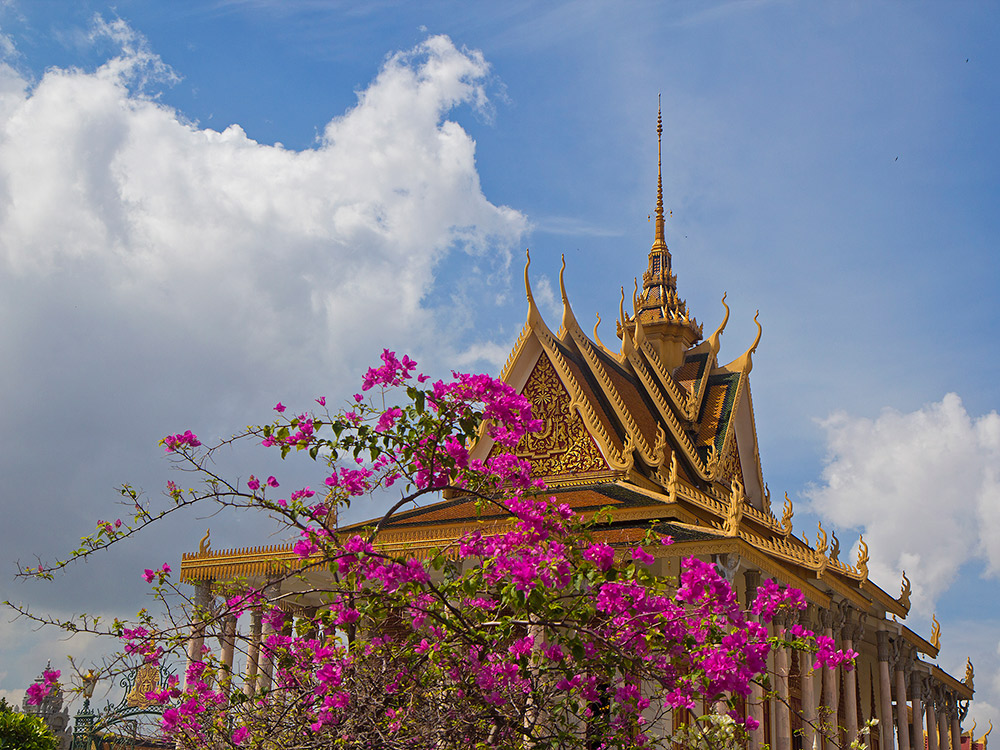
point(564, 446)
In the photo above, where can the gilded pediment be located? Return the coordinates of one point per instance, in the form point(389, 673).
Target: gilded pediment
point(563, 446)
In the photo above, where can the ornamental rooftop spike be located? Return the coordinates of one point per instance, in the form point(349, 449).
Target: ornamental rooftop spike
point(657, 307)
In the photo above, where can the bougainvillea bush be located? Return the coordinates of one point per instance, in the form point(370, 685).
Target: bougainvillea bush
point(529, 633)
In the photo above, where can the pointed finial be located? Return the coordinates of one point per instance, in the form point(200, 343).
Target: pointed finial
point(862, 557)
point(659, 240)
point(904, 592)
point(786, 517)
point(935, 632)
point(821, 540)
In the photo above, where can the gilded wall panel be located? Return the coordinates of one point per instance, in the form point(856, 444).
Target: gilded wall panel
point(563, 446)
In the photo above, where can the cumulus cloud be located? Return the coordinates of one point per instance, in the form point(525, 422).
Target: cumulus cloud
point(339, 243)
point(156, 275)
point(922, 486)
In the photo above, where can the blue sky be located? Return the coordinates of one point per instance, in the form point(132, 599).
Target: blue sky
point(206, 207)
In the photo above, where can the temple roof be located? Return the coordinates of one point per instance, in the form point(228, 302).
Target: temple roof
point(658, 432)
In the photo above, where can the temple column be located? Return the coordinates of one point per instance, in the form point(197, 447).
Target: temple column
point(807, 678)
point(253, 652)
point(956, 728)
point(902, 658)
point(885, 694)
point(848, 632)
point(917, 724)
point(943, 722)
point(932, 730)
point(755, 703)
point(228, 647)
point(830, 697)
point(782, 713)
point(196, 641)
point(267, 662)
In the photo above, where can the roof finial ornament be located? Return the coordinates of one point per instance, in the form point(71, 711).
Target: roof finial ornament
point(659, 241)
point(935, 632)
point(786, 517)
point(862, 557)
point(904, 593)
point(205, 544)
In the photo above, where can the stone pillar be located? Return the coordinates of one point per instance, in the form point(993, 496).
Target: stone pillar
point(253, 652)
point(807, 678)
point(902, 664)
point(266, 660)
point(943, 722)
point(885, 694)
point(810, 713)
point(917, 725)
point(830, 697)
point(228, 646)
point(849, 630)
point(932, 730)
point(196, 641)
point(755, 702)
point(782, 713)
point(270, 592)
point(956, 732)
point(807, 682)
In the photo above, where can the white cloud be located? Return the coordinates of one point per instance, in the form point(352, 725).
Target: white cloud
point(338, 243)
point(156, 275)
point(922, 486)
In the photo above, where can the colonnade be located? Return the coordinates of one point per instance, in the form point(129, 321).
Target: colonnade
point(825, 709)
point(259, 667)
point(907, 696)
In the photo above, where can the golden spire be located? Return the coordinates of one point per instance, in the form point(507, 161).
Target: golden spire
point(657, 307)
point(659, 241)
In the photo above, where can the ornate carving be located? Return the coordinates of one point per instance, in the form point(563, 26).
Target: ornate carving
point(970, 673)
point(826, 619)
point(862, 558)
point(672, 481)
point(786, 517)
point(735, 512)
point(729, 467)
point(882, 643)
point(835, 548)
point(728, 564)
point(821, 545)
point(147, 680)
point(935, 632)
point(205, 544)
point(563, 446)
point(904, 593)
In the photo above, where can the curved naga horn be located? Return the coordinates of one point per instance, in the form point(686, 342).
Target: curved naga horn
point(786, 517)
point(935, 632)
point(862, 557)
point(904, 592)
point(835, 547)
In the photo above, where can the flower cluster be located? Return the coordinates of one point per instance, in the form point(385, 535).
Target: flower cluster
point(149, 575)
point(177, 442)
point(39, 691)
